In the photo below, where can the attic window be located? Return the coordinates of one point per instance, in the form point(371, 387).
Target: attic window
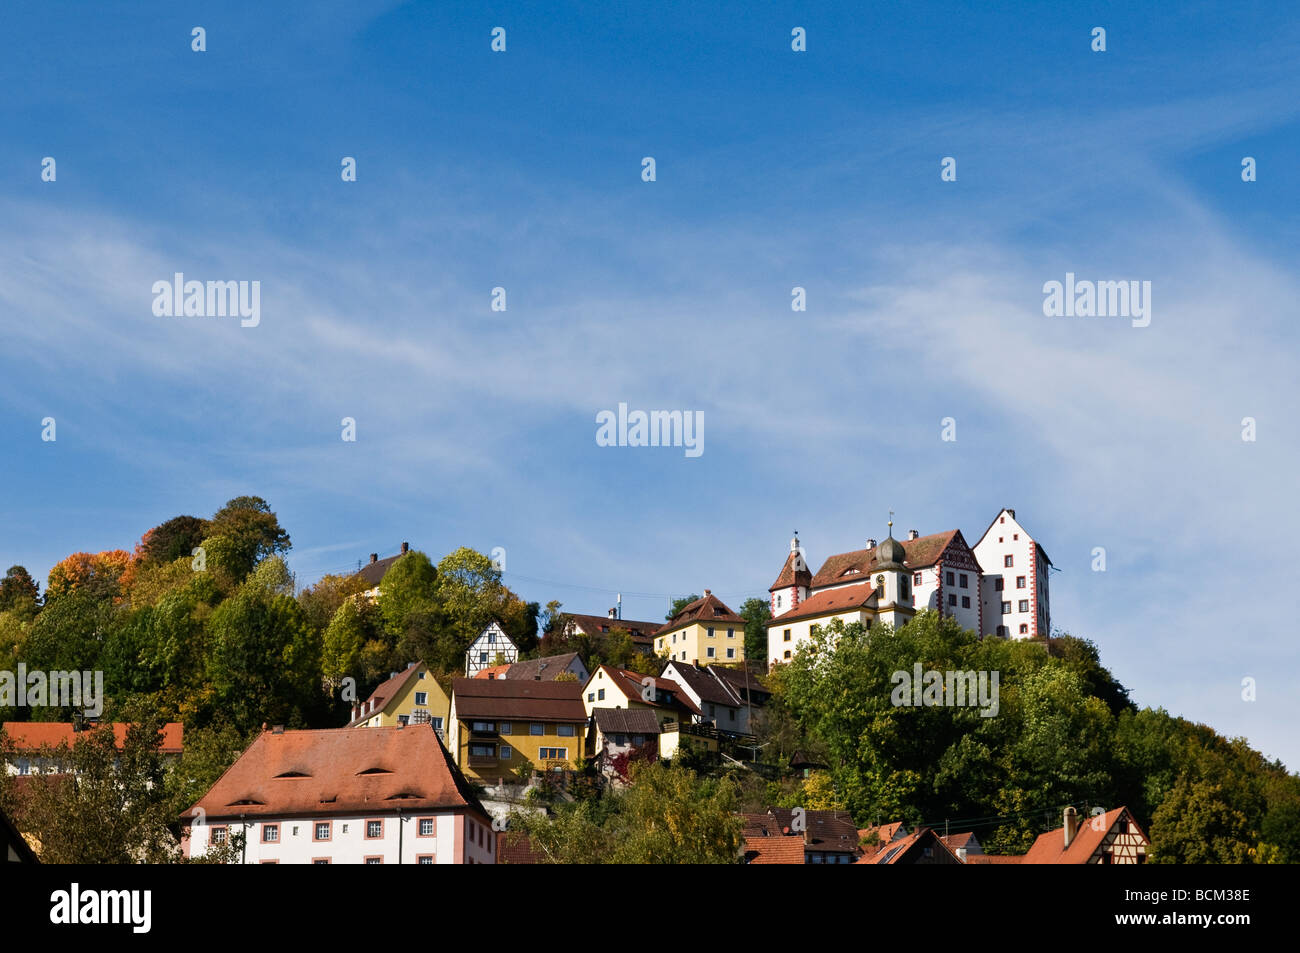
point(291, 774)
point(242, 802)
point(852, 570)
point(404, 796)
point(717, 611)
point(373, 771)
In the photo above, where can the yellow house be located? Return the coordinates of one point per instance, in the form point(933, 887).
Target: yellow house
point(500, 725)
point(410, 697)
point(610, 687)
point(706, 631)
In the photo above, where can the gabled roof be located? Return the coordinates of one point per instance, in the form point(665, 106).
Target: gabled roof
point(626, 721)
point(790, 576)
point(12, 840)
point(629, 683)
point(742, 682)
point(373, 573)
point(1012, 514)
point(385, 692)
point(542, 669)
point(339, 771)
point(956, 842)
point(641, 632)
point(705, 610)
point(917, 554)
point(827, 830)
point(885, 833)
point(830, 602)
point(774, 850)
point(705, 686)
point(1050, 848)
point(508, 698)
point(31, 735)
point(895, 851)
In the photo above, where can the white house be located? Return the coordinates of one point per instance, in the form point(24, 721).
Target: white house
point(343, 796)
point(492, 647)
point(1014, 590)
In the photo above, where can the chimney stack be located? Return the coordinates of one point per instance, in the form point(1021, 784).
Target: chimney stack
point(406, 547)
point(374, 557)
point(912, 534)
point(871, 544)
point(708, 592)
point(1071, 825)
point(612, 615)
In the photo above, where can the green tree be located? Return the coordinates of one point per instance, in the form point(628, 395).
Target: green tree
point(756, 613)
point(172, 540)
point(681, 603)
point(248, 532)
point(19, 593)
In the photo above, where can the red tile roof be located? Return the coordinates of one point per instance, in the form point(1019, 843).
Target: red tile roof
point(1050, 848)
point(629, 683)
point(31, 735)
point(518, 698)
point(774, 850)
point(340, 771)
point(790, 576)
point(496, 671)
point(641, 632)
point(917, 553)
point(709, 608)
point(830, 602)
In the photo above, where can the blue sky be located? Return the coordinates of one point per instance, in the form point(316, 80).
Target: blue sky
point(775, 169)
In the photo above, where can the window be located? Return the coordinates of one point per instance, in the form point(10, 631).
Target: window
point(952, 599)
point(564, 731)
point(787, 653)
point(536, 728)
point(436, 722)
point(1003, 632)
point(505, 728)
point(403, 719)
point(948, 579)
point(424, 859)
point(270, 833)
point(903, 591)
point(505, 753)
point(965, 602)
point(591, 696)
point(778, 601)
point(426, 827)
point(709, 650)
point(963, 579)
point(712, 710)
point(374, 860)
point(710, 631)
point(1024, 605)
point(320, 861)
point(1024, 628)
point(731, 714)
point(620, 740)
point(492, 637)
point(998, 583)
point(482, 751)
point(1006, 608)
point(483, 726)
point(638, 740)
point(731, 653)
point(217, 836)
point(786, 638)
point(553, 754)
point(600, 694)
point(916, 579)
point(482, 657)
point(674, 638)
point(1020, 582)
point(1008, 560)
point(321, 831)
point(814, 630)
point(374, 830)
point(731, 633)
point(1015, 535)
point(422, 698)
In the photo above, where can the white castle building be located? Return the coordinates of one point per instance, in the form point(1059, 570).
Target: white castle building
point(998, 587)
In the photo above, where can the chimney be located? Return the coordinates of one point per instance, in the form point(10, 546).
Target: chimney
point(374, 557)
point(912, 534)
point(708, 592)
point(1071, 825)
point(871, 544)
point(392, 674)
point(406, 547)
point(355, 712)
point(1011, 513)
point(410, 665)
point(612, 615)
point(278, 730)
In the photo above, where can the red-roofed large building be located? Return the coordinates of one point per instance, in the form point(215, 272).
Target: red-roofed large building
point(892, 580)
point(344, 796)
point(500, 727)
point(28, 737)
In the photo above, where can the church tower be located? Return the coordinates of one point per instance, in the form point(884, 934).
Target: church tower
point(791, 586)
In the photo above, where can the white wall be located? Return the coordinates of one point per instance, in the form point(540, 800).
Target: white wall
point(1006, 537)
